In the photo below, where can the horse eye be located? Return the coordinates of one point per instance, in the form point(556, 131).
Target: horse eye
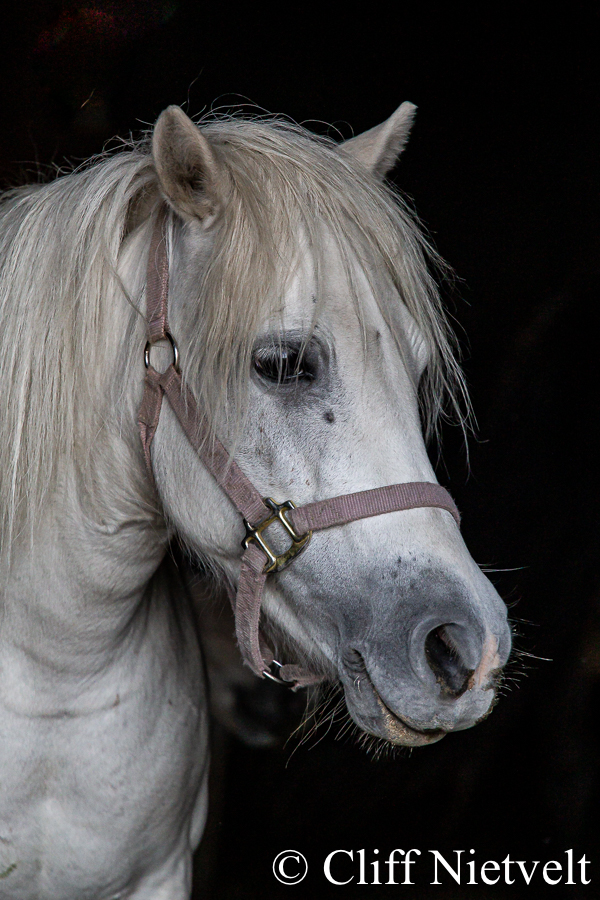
point(281, 364)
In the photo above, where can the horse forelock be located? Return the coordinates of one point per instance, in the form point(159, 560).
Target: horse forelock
point(61, 255)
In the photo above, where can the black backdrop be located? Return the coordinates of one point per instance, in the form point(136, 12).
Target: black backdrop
point(502, 166)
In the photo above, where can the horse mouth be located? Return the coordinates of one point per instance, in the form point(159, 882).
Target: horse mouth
point(387, 724)
point(397, 731)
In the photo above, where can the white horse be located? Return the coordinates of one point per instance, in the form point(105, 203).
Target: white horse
point(307, 326)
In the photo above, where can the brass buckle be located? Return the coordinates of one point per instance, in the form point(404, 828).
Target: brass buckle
point(255, 533)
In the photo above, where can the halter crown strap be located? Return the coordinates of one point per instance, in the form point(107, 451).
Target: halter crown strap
point(259, 513)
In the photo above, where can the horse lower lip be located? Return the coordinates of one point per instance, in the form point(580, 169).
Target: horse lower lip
point(398, 732)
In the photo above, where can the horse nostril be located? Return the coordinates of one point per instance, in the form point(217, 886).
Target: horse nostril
point(443, 658)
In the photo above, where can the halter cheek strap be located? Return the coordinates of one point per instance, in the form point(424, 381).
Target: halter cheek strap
point(259, 514)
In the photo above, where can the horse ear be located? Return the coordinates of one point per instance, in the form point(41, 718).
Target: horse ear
point(379, 147)
point(188, 172)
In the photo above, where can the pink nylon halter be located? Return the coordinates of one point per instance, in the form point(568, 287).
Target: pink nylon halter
point(299, 522)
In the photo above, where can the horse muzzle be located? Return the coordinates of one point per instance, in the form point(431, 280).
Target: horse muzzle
point(442, 691)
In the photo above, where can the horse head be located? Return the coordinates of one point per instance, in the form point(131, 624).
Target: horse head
point(308, 327)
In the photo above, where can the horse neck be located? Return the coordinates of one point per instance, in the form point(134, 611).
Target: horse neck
point(80, 590)
point(82, 576)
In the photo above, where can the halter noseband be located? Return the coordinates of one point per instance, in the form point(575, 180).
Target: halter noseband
point(299, 523)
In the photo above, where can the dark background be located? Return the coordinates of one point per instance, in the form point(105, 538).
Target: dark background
point(502, 166)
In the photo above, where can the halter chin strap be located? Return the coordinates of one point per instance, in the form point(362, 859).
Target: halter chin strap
point(258, 513)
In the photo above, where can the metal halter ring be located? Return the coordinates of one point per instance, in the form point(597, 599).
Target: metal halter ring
point(273, 676)
point(149, 344)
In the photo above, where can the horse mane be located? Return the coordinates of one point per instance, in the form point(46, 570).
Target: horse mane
point(62, 252)
point(59, 246)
